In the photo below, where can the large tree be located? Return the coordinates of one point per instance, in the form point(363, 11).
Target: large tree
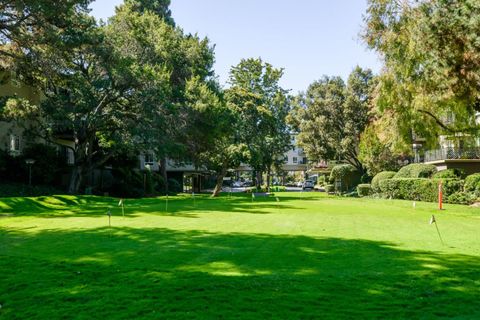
point(331, 117)
point(118, 87)
point(262, 105)
point(30, 27)
point(431, 56)
point(93, 99)
point(182, 62)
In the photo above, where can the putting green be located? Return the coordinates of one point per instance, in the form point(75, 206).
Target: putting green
point(306, 256)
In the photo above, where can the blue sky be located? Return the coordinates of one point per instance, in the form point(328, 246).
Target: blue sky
point(308, 38)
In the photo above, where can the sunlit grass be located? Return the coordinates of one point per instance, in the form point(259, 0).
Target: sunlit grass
point(307, 256)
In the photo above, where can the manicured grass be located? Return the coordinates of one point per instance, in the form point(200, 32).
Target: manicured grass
point(308, 256)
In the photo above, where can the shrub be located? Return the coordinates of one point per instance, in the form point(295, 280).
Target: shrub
point(416, 170)
point(347, 174)
point(472, 183)
point(420, 189)
point(264, 189)
point(379, 177)
point(329, 188)
point(22, 190)
point(321, 180)
point(461, 198)
point(450, 174)
point(364, 190)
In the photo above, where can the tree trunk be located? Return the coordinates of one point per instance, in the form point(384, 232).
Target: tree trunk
point(218, 186)
point(259, 179)
point(268, 179)
point(163, 168)
point(75, 180)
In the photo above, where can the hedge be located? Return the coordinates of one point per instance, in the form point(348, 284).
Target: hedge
point(419, 189)
point(329, 188)
point(450, 174)
point(472, 183)
point(264, 189)
point(364, 190)
point(416, 170)
point(379, 177)
point(22, 190)
point(461, 198)
point(347, 174)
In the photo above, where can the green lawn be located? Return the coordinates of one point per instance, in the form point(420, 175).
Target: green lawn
point(307, 256)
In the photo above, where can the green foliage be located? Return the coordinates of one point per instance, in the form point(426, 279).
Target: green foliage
point(329, 188)
point(24, 190)
point(335, 114)
point(450, 174)
point(461, 198)
point(419, 189)
point(378, 149)
point(472, 183)
point(347, 174)
point(416, 170)
point(431, 71)
point(158, 7)
point(379, 177)
point(47, 169)
point(364, 190)
point(264, 189)
point(261, 105)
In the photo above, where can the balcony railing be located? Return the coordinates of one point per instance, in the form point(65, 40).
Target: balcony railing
point(452, 153)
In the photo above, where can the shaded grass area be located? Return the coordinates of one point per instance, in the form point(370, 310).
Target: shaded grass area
point(307, 257)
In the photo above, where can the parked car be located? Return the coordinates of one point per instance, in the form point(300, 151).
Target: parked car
point(299, 184)
point(308, 184)
point(237, 184)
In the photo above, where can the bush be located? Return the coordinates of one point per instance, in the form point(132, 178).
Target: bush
point(461, 198)
point(347, 174)
point(420, 189)
point(22, 190)
point(321, 180)
point(416, 170)
point(364, 190)
point(329, 188)
point(264, 189)
point(472, 183)
point(379, 177)
point(450, 174)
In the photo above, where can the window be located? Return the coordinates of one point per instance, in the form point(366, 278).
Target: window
point(14, 143)
point(304, 160)
point(149, 159)
point(285, 159)
point(295, 160)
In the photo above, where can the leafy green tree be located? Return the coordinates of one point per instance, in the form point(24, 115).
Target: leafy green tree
point(331, 116)
point(158, 7)
point(92, 100)
point(180, 62)
point(431, 60)
point(263, 106)
point(29, 27)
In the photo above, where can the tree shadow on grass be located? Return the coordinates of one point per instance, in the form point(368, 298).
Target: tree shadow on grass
point(124, 273)
point(180, 206)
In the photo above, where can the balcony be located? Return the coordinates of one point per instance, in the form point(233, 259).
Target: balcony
point(452, 154)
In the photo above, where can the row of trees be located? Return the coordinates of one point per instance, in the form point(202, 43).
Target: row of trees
point(430, 75)
point(134, 84)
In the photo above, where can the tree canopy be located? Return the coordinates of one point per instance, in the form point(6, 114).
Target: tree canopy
point(332, 115)
point(431, 60)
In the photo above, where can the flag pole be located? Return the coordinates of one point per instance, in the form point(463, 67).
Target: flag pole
point(433, 220)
